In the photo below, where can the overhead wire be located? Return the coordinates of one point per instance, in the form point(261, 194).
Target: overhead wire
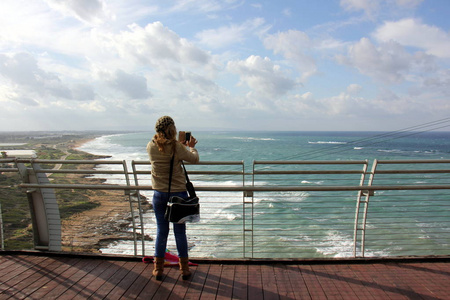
point(376, 139)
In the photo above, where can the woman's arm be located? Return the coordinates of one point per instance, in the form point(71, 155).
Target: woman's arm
point(189, 155)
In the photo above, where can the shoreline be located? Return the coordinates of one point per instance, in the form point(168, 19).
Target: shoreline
point(107, 219)
point(112, 220)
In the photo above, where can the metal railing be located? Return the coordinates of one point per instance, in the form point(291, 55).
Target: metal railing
point(281, 209)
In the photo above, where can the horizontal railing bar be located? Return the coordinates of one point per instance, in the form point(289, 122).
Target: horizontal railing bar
point(145, 162)
point(415, 161)
point(57, 161)
point(245, 188)
point(67, 171)
point(310, 172)
point(78, 171)
point(198, 172)
point(9, 170)
point(309, 162)
point(410, 171)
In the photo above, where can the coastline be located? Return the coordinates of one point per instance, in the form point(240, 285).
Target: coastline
point(111, 220)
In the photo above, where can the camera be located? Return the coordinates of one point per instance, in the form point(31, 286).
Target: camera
point(184, 136)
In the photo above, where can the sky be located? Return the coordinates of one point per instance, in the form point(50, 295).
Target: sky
point(302, 65)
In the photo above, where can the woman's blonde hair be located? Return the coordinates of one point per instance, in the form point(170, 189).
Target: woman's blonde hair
point(165, 134)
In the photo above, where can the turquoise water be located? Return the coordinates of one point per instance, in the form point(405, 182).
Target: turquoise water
point(309, 224)
point(250, 146)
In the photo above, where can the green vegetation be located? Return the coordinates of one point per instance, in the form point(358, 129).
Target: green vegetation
point(18, 232)
point(15, 213)
point(73, 203)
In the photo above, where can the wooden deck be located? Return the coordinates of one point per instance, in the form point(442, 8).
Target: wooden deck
point(59, 277)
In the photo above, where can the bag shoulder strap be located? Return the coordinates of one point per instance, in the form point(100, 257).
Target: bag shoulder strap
point(189, 186)
point(185, 172)
point(171, 171)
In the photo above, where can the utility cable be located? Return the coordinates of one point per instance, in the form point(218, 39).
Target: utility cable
point(377, 138)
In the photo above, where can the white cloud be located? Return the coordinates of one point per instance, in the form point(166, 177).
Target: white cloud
point(262, 76)
point(408, 3)
point(205, 6)
point(90, 11)
point(228, 35)
point(294, 46)
point(154, 45)
point(287, 12)
point(133, 86)
point(368, 6)
point(94, 106)
point(412, 32)
point(22, 69)
point(354, 88)
point(388, 63)
point(372, 7)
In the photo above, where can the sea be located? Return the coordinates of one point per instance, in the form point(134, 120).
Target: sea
point(297, 224)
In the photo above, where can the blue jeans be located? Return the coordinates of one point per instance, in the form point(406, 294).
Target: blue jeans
point(160, 200)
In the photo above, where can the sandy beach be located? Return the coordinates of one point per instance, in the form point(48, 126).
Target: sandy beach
point(109, 221)
point(91, 219)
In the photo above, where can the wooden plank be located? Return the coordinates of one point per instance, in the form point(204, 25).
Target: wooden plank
point(55, 280)
point(108, 283)
point(417, 278)
point(69, 280)
point(7, 265)
point(240, 284)
point(17, 265)
point(440, 287)
point(42, 277)
point(197, 282)
point(255, 288)
point(403, 287)
point(152, 285)
point(166, 287)
point(122, 287)
point(225, 288)
point(212, 282)
point(366, 283)
point(299, 287)
point(144, 272)
point(281, 276)
point(95, 278)
point(326, 281)
point(269, 284)
point(353, 287)
point(381, 274)
point(24, 275)
point(337, 275)
point(314, 287)
point(180, 289)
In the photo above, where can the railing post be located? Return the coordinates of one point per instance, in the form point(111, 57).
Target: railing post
point(138, 195)
point(129, 192)
point(361, 226)
point(44, 209)
point(2, 232)
point(248, 216)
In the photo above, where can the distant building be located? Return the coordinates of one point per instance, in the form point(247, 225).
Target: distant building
point(18, 154)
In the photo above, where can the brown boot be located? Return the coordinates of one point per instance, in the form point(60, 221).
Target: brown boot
point(184, 268)
point(158, 268)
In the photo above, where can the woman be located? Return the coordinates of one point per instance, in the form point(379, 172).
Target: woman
point(160, 151)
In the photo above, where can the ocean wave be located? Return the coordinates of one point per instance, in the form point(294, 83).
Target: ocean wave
point(310, 182)
point(253, 138)
point(390, 150)
point(328, 142)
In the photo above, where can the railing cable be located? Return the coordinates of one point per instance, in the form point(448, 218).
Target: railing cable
point(376, 139)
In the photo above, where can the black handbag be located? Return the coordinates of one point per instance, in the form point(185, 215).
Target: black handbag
point(180, 210)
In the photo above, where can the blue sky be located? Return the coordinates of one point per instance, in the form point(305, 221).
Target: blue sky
point(233, 64)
